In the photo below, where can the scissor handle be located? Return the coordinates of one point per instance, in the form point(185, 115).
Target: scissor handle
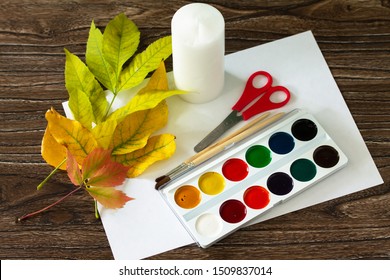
point(265, 103)
point(251, 92)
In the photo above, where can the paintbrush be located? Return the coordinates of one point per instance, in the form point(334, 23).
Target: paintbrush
point(247, 130)
point(185, 163)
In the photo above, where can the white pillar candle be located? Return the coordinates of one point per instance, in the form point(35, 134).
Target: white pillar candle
point(198, 48)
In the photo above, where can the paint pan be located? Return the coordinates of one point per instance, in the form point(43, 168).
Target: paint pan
point(228, 191)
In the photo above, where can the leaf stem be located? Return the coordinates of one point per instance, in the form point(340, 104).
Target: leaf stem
point(109, 107)
point(50, 175)
point(47, 207)
point(97, 215)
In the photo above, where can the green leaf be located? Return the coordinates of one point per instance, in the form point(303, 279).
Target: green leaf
point(144, 63)
point(120, 41)
point(79, 78)
point(96, 62)
point(81, 108)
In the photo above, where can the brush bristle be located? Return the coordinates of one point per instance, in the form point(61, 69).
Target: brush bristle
point(164, 179)
point(160, 178)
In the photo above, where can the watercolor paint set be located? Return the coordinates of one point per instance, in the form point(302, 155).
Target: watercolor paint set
point(240, 184)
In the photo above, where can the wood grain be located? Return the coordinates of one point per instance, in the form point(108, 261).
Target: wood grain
point(354, 37)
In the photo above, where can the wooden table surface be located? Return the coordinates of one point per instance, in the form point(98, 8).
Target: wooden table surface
point(354, 37)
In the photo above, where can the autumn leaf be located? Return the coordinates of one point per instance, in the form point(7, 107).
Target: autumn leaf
point(85, 92)
point(73, 170)
point(103, 133)
point(109, 197)
point(101, 171)
point(146, 101)
point(145, 62)
point(53, 152)
point(158, 80)
point(99, 175)
point(106, 53)
point(158, 148)
point(94, 163)
point(83, 146)
point(81, 108)
point(96, 61)
point(148, 97)
point(134, 131)
point(120, 41)
point(76, 138)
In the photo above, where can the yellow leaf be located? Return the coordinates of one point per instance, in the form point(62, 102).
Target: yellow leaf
point(103, 133)
point(148, 97)
point(149, 100)
point(158, 148)
point(53, 152)
point(158, 81)
point(133, 132)
point(79, 140)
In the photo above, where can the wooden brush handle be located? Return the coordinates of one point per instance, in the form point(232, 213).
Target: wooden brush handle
point(223, 140)
point(220, 146)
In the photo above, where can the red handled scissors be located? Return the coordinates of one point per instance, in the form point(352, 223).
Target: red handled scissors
point(263, 104)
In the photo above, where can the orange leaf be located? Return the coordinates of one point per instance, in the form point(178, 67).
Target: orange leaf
point(94, 162)
point(73, 169)
point(109, 197)
point(101, 171)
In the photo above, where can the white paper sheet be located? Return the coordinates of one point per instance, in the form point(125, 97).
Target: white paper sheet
point(146, 226)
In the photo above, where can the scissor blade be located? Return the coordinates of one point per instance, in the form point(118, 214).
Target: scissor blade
point(224, 126)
